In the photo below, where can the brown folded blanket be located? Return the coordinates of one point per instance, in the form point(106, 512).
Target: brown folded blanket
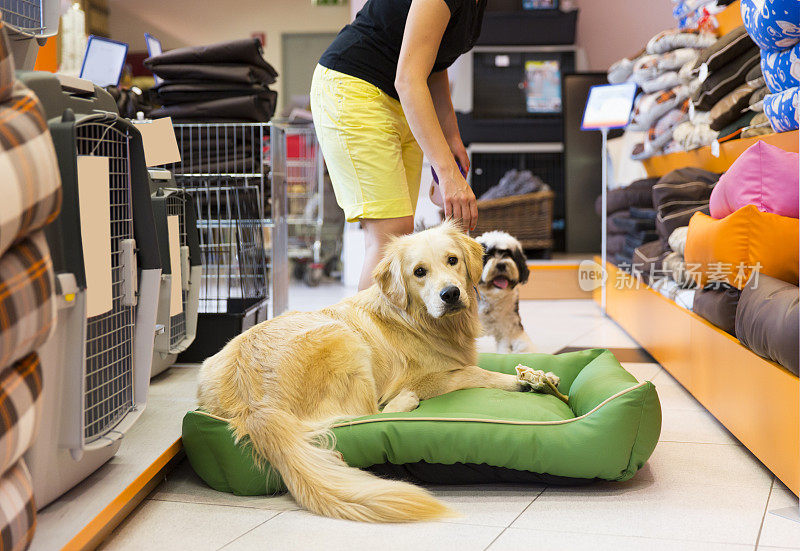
point(226, 72)
point(244, 108)
point(246, 51)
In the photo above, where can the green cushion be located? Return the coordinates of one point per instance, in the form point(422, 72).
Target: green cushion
point(608, 431)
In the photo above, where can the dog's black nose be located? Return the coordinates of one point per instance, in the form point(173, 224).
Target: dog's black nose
point(450, 294)
point(501, 267)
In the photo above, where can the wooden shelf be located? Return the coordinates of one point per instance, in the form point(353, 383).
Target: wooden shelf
point(730, 18)
point(729, 152)
point(754, 398)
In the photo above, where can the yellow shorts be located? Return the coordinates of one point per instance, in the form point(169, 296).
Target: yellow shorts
point(372, 157)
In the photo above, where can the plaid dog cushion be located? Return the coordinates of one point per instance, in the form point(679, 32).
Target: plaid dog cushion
point(20, 388)
point(18, 512)
point(31, 183)
point(27, 302)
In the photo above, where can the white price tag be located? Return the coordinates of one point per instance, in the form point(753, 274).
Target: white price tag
point(691, 110)
point(715, 148)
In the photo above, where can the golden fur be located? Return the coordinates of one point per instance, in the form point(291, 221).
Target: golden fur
point(286, 380)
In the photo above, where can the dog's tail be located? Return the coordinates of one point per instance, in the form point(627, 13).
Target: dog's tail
point(323, 483)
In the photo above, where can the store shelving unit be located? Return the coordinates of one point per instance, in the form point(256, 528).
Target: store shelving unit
point(754, 398)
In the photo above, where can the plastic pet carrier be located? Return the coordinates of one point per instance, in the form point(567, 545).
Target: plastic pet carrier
point(97, 367)
point(175, 327)
point(29, 23)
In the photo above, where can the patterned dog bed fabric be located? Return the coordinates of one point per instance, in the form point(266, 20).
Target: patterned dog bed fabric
point(31, 184)
point(18, 513)
point(772, 24)
point(781, 109)
point(27, 302)
point(20, 389)
point(781, 69)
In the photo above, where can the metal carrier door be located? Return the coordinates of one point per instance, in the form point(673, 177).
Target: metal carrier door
point(108, 379)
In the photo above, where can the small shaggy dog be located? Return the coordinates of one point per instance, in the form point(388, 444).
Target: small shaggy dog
point(409, 337)
point(504, 267)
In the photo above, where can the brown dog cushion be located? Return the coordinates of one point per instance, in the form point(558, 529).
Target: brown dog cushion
point(678, 195)
point(766, 320)
point(718, 305)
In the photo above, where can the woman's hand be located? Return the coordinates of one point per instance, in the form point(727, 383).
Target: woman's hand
point(459, 201)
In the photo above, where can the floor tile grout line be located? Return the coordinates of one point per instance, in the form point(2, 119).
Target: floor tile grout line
point(503, 531)
point(183, 501)
point(764, 516)
point(630, 536)
point(240, 536)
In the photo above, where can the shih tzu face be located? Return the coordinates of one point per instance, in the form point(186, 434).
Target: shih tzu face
point(504, 262)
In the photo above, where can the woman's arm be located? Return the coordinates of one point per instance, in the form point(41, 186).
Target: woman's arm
point(427, 20)
point(439, 85)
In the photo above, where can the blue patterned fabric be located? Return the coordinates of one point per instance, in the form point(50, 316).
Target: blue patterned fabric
point(781, 109)
point(781, 68)
point(772, 24)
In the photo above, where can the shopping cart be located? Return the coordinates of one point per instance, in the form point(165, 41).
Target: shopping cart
point(315, 220)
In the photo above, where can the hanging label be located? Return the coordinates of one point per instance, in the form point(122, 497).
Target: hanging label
point(702, 75)
point(715, 148)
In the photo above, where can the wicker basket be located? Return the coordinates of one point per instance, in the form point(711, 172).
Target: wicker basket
point(527, 217)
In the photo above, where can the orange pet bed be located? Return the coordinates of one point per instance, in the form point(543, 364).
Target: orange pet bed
point(728, 250)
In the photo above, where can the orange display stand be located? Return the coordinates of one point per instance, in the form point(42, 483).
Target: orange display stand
point(754, 398)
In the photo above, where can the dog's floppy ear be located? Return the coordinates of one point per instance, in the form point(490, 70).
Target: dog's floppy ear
point(473, 255)
point(522, 264)
point(388, 275)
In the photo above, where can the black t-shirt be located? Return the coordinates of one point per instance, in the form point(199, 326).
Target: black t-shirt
point(369, 48)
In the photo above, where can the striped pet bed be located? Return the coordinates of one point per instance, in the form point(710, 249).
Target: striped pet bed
point(31, 185)
point(17, 510)
point(20, 389)
point(27, 301)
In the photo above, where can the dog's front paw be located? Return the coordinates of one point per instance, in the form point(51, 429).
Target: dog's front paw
point(406, 400)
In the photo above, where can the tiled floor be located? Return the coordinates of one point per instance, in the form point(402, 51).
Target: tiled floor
point(701, 490)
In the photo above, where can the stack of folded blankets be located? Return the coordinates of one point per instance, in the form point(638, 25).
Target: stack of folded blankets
point(225, 82)
point(663, 73)
point(774, 25)
point(631, 220)
point(744, 255)
point(31, 193)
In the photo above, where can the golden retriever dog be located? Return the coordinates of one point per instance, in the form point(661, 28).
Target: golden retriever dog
point(409, 337)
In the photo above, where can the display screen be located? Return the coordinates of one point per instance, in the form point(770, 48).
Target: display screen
point(153, 49)
point(103, 61)
point(543, 86)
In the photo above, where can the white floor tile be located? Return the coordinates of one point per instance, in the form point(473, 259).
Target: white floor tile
point(184, 486)
point(301, 531)
point(778, 531)
point(487, 505)
point(515, 539)
point(688, 425)
point(184, 526)
point(642, 371)
point(607, 335)
point(693, 492)
point(672, 395)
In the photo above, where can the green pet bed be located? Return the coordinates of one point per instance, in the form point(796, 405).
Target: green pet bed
point(608, 431)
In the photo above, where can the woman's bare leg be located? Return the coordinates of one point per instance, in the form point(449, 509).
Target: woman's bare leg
point(378, 232)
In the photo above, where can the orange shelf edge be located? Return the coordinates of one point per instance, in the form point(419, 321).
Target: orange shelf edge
point(98, 529)
point(729, 152)
point(713, 365)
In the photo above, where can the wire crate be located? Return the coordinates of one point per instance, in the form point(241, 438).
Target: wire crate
point(229, 170)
